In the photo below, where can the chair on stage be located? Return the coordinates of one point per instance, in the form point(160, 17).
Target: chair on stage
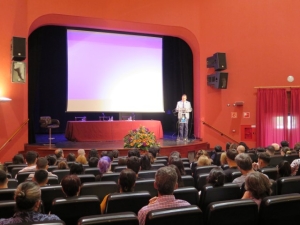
point(47, 122)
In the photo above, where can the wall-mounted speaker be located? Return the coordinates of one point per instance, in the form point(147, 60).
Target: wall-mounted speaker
point(18, 48)
point(219, 80)
point(217, 61)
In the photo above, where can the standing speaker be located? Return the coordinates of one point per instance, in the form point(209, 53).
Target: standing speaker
point(219, 80)
point(18, 48)
point(220, 61)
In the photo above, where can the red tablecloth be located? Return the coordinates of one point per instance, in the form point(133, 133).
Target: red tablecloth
point(108, 130)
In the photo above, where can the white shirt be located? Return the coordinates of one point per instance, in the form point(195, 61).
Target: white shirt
point(183, 108)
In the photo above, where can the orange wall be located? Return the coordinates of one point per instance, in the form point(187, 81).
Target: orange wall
point(259, 37)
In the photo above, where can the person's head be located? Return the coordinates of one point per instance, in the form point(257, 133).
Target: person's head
point(285, 151)
point(179, 178)
point(81, 151)
point(52, 160)
point(223, 159)
point(127, 180)
point(263, 159)
point(3, 179)
point(245, 146)
point(203, 161)
point(71, 185)
point(31, 157)
point(62, 165)
point(81, 159)
point(233, 145)
point(93, 153)
point(104, 153)
point(133, 163)
point(258, 185)
point(153, 151)
point(134, 152)
point(41, 177)
point(276, 146)
point(115, 153)
point(122, 161)
point(71, 157)
point(76, 168)
point(231, 154)
point(241, 149)
point(166, 180)
point(227, 145)
point(42, 163)
point(104, 164)
point(218, 148)
point(216, 177)
point(28, 196)
point(297, 147)
point(93, 162)
point(178, 163)
point(59, 153)
point(260, 149)
point(145, 162)
point(175, 154)
point(184, 97)
point(18, 159)
point(284, 144)
point(244, 162)
point(270, 150)
point(284, 169)
point(110, 155)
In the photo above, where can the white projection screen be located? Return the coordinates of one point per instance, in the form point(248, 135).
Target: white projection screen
point(114, 72)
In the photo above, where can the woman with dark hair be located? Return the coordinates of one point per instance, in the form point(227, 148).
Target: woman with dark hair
point(76, 168)
point(51, 160)
point(62, 165)
point(177, 162)
point(71, 157)
point(179, 179)
point(28, 201)
point(18, 159)
point(93, 153)
point(284, 169)
point(285, 151)
point(145, 162)
point(126, 183)
point(216, 177)
point(71, 185)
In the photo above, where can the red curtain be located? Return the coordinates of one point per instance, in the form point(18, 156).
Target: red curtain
point(271, 116)
point(294, 135)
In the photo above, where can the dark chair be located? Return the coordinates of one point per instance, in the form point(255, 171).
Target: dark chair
point(56, 222)
point(189, 194)
point(185, 160)
point(233, 212)
point(162, 157)
point(15, 171)
point(156, 166)
point(202, 181)
point(235, 174)
point(12, 183)
point(225, 166)
point(211, 194)
point(61, 173)
point(52, 180)
point(186, 164)
point(270, 172)
point(146, 185)
point(93, 170)
point(21, 177)
point(110, 177)
point(122, 202)
point(203, 169)
point(7, 163)
point(8, 175)
point(7, 208)
point(118, 169)
point(279, 209)
point(191, 215)
point(122, 218)
point(51, 168)
point(113, 165)
point(159, 161)
point(48, 194)
point(187, 171)
point(11, 166)
point(218, 157)
point(188, 180)
point(7, 194)
point(291, 158)
point(47, 122)
point(273, 187)
point(147, 173)
point(99, 188)
point(70, 163)
point(86, 178)
point(287, 185)
point(275, 160)
point(70, 210)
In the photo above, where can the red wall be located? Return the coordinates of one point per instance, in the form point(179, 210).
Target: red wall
point(259, 37)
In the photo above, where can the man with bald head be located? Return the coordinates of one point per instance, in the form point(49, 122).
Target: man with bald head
point(241, 149)
point(277, 148)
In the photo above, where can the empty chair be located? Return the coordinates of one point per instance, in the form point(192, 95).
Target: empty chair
point(122, 218)
point(118, 169)
point(270, 172)
point(110, 177)
point(159, 161)
point(287, 185)
point(122, 202)
point(86, 178)
point(12, 183)
point(51, 168)
point(99, 188)
point(202, 181)
point(21, 177)
point(189, 194)
point(233, 212)
point(49, 123)
point(279, 209)
point(188, 180)
point(48, 194)
point(146, 185)
point(11, 166)
point(7, 194)
point(7, 208)
point(156, 166)
point(71, 209)
point(93, 170)
point(191, 215)
point(211, 194)
point(61, 173)
point(52, 180)
point(186, 164)
point(147, 173)
point(276, 159)
point(187, 171)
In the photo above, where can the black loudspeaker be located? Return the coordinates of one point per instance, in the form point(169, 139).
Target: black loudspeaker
point(18, 48)
point(217, 61)
point(219, 80)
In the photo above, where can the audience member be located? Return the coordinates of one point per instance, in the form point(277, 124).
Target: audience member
point(93, 162)
point(93, 153)
point(122, 162)
point(270, 150)
point(245, 146)
point(28, 200)
point(262, 162)
point(179, 178)
point(52, 160)
point(81, 152)
point(295, 165)
point(151, 158)
point(241, 149)
point(126, 183)
point(285, 151)
point(223, 158)
point(218, 148)
point(178, 163)
point(62, 165)
point(174, 154)
point(81, 159)
point(227, 145)
point(297, 147)
point(41, 177)
point(71, 185)
point(233, 145)
point(18, 159)
point(284, 144)
point(257, 187)
point(277, 148)
point(134, 152)
point(260, 150)
point(31, 158)
point(216, 177)
point(110, 155)
point(71, 157)
point(133, 163)
point(59, 153)
point(76, 168)
point(244, 164)
point(230, 156)
point(104, 166)
point(165, 183)
point(145, 162)
point(115, 154)
point(42, 164)
point(203, 161)
point(284, 169)
point(3, 179)
point(154, 151)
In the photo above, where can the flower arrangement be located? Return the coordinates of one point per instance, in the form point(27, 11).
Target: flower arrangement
point(140, 138)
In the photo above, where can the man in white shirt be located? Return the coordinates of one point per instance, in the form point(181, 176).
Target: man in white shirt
point(183, 108)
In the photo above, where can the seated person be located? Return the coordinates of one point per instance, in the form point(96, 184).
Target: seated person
point(62, 165)
point(81, 152)
point(41, 177)
point(295, 165)
point(126, 183)
point(223, 158)
point(284, 144)
point(145, 162)
point(286, 151)
point(59, 153)
point(174, 154)
point(241, 149)
point(165, 183)
point(18, 159)
point(81, 159)
point(122, 162)
point(216, 177)
point(71, 157)
point(134, 152)
point(277, 148)
point(244, 164)
point(177, 162)
point(28, 200)
point(93, 162)
point(270, 150)
point(104, 166)
point(154, 151)
point(230, 156)
point(115, 154)
point(52, 160)
point(257, 187)
point(263, 161)
point(42, 164)
point(71, 185)
point(76, 168)
point(31, 158)
point(93, 153)
point(213, 155)
point(284, 169)
point(204, 161)
point(3, 179)
point(179, 179)
point(133, 163)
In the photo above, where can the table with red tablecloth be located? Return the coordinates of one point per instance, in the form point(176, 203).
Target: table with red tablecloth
point(108, 130)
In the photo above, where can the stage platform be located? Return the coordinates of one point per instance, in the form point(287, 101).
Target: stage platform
point(167, 145)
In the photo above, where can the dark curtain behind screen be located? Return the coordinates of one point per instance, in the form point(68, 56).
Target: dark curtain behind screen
point(47, 80)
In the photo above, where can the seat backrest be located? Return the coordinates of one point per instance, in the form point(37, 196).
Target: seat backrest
point(110, 177)
point(156, 166)
point(122, 202)
point(7, 208)
point(185, 160)
point(159, 161)
point(275, 160)
point(186, 164)
point(189, 194)
point(233, 212)
point(270, 172)
point(113, 165)
point(279, 209)
point(21, 177)
point(7, 194)
point(49, 193)
point(191, 215)
point(86, 178)
point(93, 170)
point(52, 180)
point(70, 210)
point(51, 168)
point(122, 218)
point(235, 174)
point(291, 158)
point(203, 169)
point(99, 188)
point(15, 170)
point(162, 157)
point(202, 181)
point(146, 185)
point(147, 173)
point(188, 180)
point(118, 169)
point(287, 185)
point(12, 183)
point(11, 166)
point(188, 170)
point(61, 173)
point(211, 194)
